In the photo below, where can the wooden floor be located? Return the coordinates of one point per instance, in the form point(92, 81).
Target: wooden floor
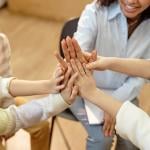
point(33, 42)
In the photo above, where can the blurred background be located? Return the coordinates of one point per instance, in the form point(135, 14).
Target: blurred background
point(33, 28)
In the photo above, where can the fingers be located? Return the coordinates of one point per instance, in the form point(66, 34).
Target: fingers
point(65, 50)
point(59, 79)
point(109, 124)
point(112, 128)
point(67, 74)
point(72, 81)
point(87, 55)
point(78, 51)
point(80, 67)
point(74, 66)
point(71, 49)
point(87, 71)
point(94, 55)
point(60, 87)
point(61, 61)
point(74, 93)
point(106, 128)
point(58, 72)
point(71, 89)
point(92, 65)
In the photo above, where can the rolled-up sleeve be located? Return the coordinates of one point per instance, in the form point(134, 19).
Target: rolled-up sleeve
point(4, 85)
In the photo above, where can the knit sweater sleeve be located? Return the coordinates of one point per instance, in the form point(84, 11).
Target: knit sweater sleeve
point(7, 122)
point(29, 114)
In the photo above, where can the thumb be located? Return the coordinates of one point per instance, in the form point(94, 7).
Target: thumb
point(94, 55)
point(92, 65)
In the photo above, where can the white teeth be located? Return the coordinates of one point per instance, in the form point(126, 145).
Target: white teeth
point(130, 7)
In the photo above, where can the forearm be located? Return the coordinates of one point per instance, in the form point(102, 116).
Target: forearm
point(104, 101)
point(131, 66)
point(29, 114)
point(27, 88)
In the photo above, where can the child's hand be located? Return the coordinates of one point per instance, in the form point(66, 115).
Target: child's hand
point(70, 91)
point(85, 81)
point(56, 83)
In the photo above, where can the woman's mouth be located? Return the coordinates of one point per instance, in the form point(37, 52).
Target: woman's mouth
point(130, 9)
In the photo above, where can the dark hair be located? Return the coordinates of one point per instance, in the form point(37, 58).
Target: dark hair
point(105, 2)
point(145, 14)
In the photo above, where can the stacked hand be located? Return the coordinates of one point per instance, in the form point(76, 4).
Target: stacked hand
point(80, 63)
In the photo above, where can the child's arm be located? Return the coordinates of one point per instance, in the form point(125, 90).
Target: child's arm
point(131, 66)
point(33, 112)
point(15, 87)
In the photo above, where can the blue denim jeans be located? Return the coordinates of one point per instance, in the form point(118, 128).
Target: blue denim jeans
point(96, 140)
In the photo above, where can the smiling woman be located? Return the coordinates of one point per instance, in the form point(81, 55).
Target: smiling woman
point(115, 28)
point(131, 9)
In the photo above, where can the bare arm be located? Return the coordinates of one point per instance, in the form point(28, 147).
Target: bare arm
point(27, 88)
point(88, 90)
point(131, 66)
point(104, 101)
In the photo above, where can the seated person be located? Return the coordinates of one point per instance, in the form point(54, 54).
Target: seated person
point(138, 128)
point(13, 118)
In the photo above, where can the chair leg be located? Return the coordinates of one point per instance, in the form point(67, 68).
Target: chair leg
point(51, 131)
point(63, 135)
point(53, 122)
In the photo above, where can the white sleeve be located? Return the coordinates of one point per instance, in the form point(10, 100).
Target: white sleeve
point(87, 28)
point(4, 84)
point(133, 124)
point(35, 111)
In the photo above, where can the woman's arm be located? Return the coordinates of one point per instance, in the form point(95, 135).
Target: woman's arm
point(131, 66)
point(88, 90)
point(137, 130)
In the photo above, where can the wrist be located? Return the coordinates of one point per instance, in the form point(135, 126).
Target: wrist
point(90, 94)
point(10, 86)
point(67, 101)
point(104, 63)
point(48, 86)
point(110, 62)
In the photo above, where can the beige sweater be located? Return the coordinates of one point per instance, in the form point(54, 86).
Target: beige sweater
point(5, 69)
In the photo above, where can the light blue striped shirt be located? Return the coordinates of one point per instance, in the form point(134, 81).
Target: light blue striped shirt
point(105, 29)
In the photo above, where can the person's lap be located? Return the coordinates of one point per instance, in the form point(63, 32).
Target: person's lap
point(96, 140)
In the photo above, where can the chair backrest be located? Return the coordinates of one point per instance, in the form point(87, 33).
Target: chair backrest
point(68, 30)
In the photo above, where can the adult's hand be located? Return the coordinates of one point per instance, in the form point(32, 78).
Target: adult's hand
point(72, 50)
point(109, 125)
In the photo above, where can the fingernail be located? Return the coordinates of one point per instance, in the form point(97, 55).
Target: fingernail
point(62, 77)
